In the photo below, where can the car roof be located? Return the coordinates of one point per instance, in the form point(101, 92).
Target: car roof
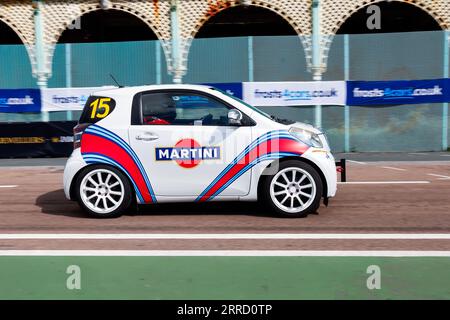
point(137, 89)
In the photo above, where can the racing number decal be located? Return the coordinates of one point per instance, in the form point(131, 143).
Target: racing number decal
point(97, 108)
point(100, 108)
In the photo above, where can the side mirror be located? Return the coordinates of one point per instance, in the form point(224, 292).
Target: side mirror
point(234, 117)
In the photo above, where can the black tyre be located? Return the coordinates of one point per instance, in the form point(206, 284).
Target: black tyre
point(103, 191)
point(295, 190)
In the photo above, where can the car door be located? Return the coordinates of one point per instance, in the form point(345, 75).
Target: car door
point(185, 142)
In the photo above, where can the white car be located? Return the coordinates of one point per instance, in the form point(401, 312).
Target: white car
point(183, 143)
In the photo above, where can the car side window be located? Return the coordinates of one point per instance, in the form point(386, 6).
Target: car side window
point(182, 108)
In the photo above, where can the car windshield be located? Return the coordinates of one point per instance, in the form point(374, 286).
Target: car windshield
point(271, 117)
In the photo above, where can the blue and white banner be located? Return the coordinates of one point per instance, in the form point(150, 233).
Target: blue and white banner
point(20, 100)
point(360, 93)
point(306, 93)
point(66, 99)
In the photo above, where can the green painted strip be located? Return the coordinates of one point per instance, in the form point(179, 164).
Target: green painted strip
point(224, 278)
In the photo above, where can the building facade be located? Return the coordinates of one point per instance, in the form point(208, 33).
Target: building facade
point(40, 23)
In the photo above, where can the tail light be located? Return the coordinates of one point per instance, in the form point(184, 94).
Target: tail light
point(77, 133)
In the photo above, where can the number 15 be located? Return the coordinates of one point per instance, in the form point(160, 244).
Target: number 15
point(98, 104)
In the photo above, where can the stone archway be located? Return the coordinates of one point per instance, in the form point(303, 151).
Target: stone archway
point(58, 17)
point(198, 13)
point(335, 14)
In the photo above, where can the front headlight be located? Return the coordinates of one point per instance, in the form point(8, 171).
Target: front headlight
point(310, 138)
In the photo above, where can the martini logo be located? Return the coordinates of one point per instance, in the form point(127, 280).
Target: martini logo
point(187, 153)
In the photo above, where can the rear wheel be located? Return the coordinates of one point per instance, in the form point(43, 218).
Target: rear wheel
point(294, 191)
point(103, 191)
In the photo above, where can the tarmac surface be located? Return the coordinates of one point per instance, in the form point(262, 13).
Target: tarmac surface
point(389, 197)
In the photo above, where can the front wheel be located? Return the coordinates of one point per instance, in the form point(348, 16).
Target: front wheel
point(294, 191)
point(103, 191)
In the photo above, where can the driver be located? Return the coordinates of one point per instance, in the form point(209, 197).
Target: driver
point(160, 112)
point(151, 120)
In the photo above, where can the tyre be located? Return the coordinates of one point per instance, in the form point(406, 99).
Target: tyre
point(103, 191)
point(294, 191)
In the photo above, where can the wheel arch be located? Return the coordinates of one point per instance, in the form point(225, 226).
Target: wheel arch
point(264, 176)
point(75, 178)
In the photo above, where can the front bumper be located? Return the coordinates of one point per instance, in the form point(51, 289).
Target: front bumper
point(326, 163)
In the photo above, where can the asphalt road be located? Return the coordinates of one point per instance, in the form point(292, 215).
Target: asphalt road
point(380, 197)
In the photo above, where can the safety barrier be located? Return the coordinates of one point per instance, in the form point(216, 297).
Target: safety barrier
point(36, 139)
point(260, 94)
point(357, 116)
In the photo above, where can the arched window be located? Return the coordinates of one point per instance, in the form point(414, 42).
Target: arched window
point(243, 21)
point(399, 49)
point(223, 51)
point(408, 45)
point(15, 66)
point(395, 16)
point(104, 43)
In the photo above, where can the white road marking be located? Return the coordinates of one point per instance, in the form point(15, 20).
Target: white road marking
point(418, 153)
point(222, 236)
point(385, 182)
point(358, 162)
point(9, 186)
point(393, 168)
point(224, 253)
point(445, 155)
point(440, 176)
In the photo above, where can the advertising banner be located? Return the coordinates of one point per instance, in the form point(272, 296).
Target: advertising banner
point(232, 88)
point(294, 93)
point(360, 93)
point(20, 100)
point(36, 139)
point(67, 99)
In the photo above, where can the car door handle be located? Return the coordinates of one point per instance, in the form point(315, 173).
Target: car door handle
point(147, 137)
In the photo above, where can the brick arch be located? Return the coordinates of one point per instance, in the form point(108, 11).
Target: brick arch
point(118, 7)
point(58, 18)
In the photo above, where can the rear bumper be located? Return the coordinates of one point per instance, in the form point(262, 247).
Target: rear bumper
point(73, 165)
